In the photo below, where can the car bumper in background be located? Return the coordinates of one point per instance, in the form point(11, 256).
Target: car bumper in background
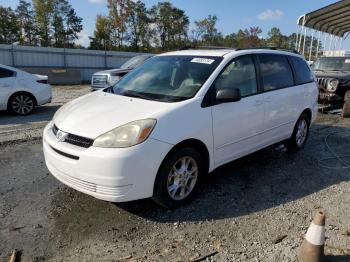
point(110, 174)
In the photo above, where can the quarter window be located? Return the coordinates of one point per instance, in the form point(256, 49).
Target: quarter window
point(5, 73)
point(303, 73)
point(276, 72)
point(240, 73)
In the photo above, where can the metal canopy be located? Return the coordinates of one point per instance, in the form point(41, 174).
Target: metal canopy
point(333, 19)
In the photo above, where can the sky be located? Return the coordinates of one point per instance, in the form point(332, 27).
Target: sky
point(232, 14)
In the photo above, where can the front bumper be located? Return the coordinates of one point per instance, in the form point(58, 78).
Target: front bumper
point(329, 97)
point(110, 174)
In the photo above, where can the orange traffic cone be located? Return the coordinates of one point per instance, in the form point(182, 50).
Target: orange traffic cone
point(312, 248)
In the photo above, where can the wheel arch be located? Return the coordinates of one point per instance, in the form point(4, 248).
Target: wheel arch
point(21, 92)
point(307, 112)
point(195, 144)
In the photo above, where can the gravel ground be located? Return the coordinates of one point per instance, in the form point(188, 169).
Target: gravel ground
point(14, 128)
point(254, 209)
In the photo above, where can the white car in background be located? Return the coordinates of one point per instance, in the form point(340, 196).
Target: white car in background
point(176, 117)
point(21, 92)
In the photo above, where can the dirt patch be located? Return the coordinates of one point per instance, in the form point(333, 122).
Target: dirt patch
point(25, 128)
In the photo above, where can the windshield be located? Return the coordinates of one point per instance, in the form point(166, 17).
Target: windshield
point(134, 62)
point(167, 78)
point(333, 64)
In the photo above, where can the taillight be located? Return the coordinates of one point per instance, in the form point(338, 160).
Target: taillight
point(43, 81)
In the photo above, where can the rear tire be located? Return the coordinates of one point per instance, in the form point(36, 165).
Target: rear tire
point(178, 178)
point(21, 104)
point(346, 106)
point(300, 134)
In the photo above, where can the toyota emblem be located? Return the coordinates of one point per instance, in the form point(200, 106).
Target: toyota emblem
point(61, 136)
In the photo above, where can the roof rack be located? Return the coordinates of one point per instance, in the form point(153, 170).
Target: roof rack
point(206, 47)
point(270, 48)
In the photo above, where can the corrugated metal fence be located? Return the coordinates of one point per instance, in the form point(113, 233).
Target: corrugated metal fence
point(78, 62)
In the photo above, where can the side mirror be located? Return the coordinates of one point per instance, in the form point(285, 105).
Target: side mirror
point(228, 95)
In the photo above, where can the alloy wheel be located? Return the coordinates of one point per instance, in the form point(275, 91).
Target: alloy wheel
point(22, 104)
point(182, 178)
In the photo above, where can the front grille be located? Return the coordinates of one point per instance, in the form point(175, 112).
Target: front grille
point(99, 80)
point(322, 82)
point(74, 139)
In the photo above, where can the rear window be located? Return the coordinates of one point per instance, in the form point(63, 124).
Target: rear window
point(276, 72)
point(302, 71)
point(6, 73)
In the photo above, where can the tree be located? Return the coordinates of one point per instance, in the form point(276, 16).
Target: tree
point(171, 25)
point(102, 34)
point(25, 14)
point(139, 24)
point(119, 13)
point(43, 14)
point(276, 39)
point(9, 26)
point(65, 23)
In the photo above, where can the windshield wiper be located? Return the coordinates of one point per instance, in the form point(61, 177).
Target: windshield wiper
point(137, 95)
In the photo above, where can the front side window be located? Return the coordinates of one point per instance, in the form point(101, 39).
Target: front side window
point(6, 73)
point(276, 72)
point(303, 73)
point(167, 78)
point(240, 73)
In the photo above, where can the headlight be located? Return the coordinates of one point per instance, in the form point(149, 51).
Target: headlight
point(127, 135)
point(332, 85)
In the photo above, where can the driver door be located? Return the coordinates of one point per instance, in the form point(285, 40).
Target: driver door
point(238, 125)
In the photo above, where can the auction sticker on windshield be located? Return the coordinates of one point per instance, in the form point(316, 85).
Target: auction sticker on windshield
point(202, 60)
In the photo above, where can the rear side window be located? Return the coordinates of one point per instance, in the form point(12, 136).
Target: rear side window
point(5, 73)
point(302, 71)
point(276, 72)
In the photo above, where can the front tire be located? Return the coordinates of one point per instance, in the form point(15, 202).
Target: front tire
point(300, 134)
point(178, 178)
point(21, 104)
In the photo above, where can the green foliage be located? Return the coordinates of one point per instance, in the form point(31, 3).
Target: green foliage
point(130, 26)
point(102, 34)
point(171, 25)
point(25, 15)
point(9, 26)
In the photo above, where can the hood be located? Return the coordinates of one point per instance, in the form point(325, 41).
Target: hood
point(116, 71)
point(97, 113)
point(333, 74)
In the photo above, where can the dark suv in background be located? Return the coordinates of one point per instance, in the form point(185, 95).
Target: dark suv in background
point(333, 77)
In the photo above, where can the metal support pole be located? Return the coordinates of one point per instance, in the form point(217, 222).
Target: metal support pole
point(13, 56)
point(301, 33)
point(64, 58)
point(335, 43)
point(311, 45)
point(306, 30)
point(296, 38)
point(331, 42)
point(318, 43)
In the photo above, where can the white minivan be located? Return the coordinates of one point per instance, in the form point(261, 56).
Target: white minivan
point(177, 117)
